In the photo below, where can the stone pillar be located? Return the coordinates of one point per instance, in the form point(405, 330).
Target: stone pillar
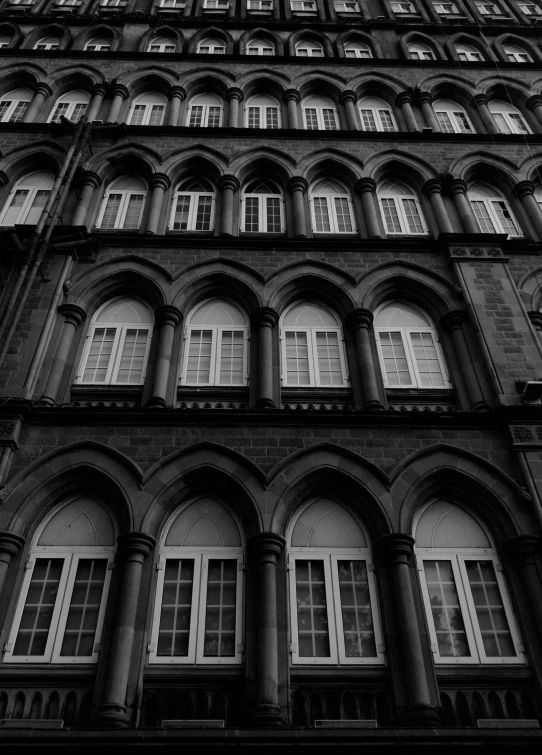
point(524, 191)
point(297, 186)
point(291, 97)
point(88, 183)
point(360, 322)
point(534, 103)
point(120, 93)
point(264, 320)
point(228, 185)
point(426, 104)
point(98, 93)
point(348, 99)
point(176, 95)
point(10, 545)
point(234, 96)
point(41, 93)
point(454, 322)
point(73, 317)
point(167, 319)
point(396, 549)
point(268, 548)
point(366, 188)
point(404, 101)
point(160, 183)
point(480, 102)
point(536, 319)
point(522, 551)
point(133, 548)
point(458, 190)
point(433, 189)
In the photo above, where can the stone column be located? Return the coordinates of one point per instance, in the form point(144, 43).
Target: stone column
point(366, 188)
point(404, 101)
point(264, 320)
point(73, 317)
point(88, 183)
point(167, 319)
point(228, 185)
point(291, 97)
point(234, 96)
point(522, 551)
point(41, 93)
point(458, 190)
point(160, 183)
point(536, 319)
point(10, 545)
point(454, 322)
point(133, 548)
point(397, 552)
point(534, 103)
point(268, 548)
point(120, 93)
point(98, 93)
point(426, 104)
point(433, 189)
point(360, 322)
point(480, 102)
point(348, 99)
point(297, 186)
point(524, 191)
point(176, 95)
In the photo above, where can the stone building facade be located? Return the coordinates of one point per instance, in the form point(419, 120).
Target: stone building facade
point(270, 373)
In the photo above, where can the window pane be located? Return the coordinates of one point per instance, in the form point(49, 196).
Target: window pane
point(394, 358)
point(482, 216)
point(412, 215)
point(133, 356)
point(312, 624)
point(38, 203)
point(111, 211)
point(133, 211)
point(427, 362)
point(273, 215)
point(391, 217)
point(357, 616)
point(4, 107)
point(203, 216)
point(521, 126)
point(489, 608)
point(84, 607)
point(231, 357)
point(196, 115)
point(342, 212)
point(368, 122)
point(61, 109)
point(176, 610)
point(329, 361)
point(271, 117)
point(386, 120)
point(445, 609)
point(157, 113)
point(180, 219)
point(254, 117)
point(252, 223)
point(137, 115)
point(99, 355)
point(219, 639)
point(311, 118)
point(12, 215)
point(297, 359)
point(39, 606)
point(502, 123)
point(505, 218)
point(198, 369)
point(329, 119)
point(214, 117)
point(78, 111)
point(445, 123)
point(462, 122)
point(321, 215)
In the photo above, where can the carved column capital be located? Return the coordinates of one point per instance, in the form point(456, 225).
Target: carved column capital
point(457, 186)
point(136, 544)
point(89, 178)
point(454, 319)
point(425, 97)
point(534, 102)
point(177, 91)
point(234, 93)
point(228, 182)
point(297, 183)
point(523, 189)
point(347, 96)
point(478, 100)
point(268, 544)
point(73, 314)
point(99, 89)
point(160, 180)
point(359, 318)
point(522, 547)
point(43, 88)
point(119, 90)
point(403, 98)
point(433, 186)
point(396, 547)
point(168, 314)
point(365, 184)
point(265, 317)
point(10, 545)
point(291, 94)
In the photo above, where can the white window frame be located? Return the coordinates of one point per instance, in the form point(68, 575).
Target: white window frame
point(260, 6)
point(217, 6)
point(320, 117)
point(377, 118)
point(97, 47)
point(113, 3)
point(303, 6)
point(147, 112)
point(349, 6)
point(512, 123)
point(69, 110)
point(204, 115)
point(530, 9)
point(365, 53)
point(495, 220)
point(472, 56)
point(488, 9)
point(262, 114)
point(216, 344)
point(316, 51)
point(213, 49)
point(192, 210)
point(6, 118)
point(71, 557)
point(330, 557)
point(27, 204)
point(123, 207)
point(428, 54)
point(332, 212)
point(162, 47)
point(455, 121)
point(402, 8)
point(257, 47)
point(443, 6)
point(314, 373)
point(41, 45)
point(521, 56)
point(201, 557)
point(457, 557)
point(398, 200)
point(116, 352)
point(262, 212)
point(173, 4)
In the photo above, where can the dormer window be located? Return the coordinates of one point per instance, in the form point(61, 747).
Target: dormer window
point(260, 47)
point(211, 47)
point(346, 7)
point(48, 43)
point(218, 6)
point(420, 52)
point(98, 45)
point(162, 44)
point(403, 8)
point(357, 50)
point(466, 52)
point(299, 7)
point(516, 54)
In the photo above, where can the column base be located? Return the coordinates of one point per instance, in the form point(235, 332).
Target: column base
point(265, 403)
point(156, 402)
point(267, 716)
point(46, 401)
point(111, 716)
point(421, 717)
point(373, 406)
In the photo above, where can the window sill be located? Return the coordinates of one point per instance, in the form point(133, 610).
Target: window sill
point(421, 399)
point(317, 398)
point(212, 397)
point(114, 396)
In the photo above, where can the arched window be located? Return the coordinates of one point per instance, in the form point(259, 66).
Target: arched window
point(452, 118)
point(117, 344)
point(13, 105)
point(346, 6)
point(27, 199)
point(260, 47)
point(198, 615)
point(333, 605)
point(357, 50)
point(309, 49)
point(216, 345)
point(47, 43)
point(516, 54)
point(319, 113)
point(312, 350)
point(193, 206)
point(530, 9)
point(122, 205)
point(376, 115)
point(262, 111)
point(331, 207)
point(205, 110)
point(62, 604)
point(467, 52)
point(72, 106)
point(492, 211)
point(263, 208)
point(211, 47)
point(99, 44)
point(148, 110)
point(409, 349)
point(418, 51)
point(508, 118)
point(162, 44)
point(488, 9)
point(468, 610)
point(5, 41)
point(401, 209)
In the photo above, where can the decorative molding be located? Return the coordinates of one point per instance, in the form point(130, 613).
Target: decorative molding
point(526, 435)
point(479, 253)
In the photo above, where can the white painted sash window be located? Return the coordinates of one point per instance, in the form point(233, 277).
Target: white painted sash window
point(319, 114)
point(331, 208)
point(27, 200)
point(72, 106)
point(262, 208)
point(122, 205)
point(452, 118)
point(193, 206)
point(376, 115)
point(492, 211)
point(13, 105)
point(205, 110)
point(508, 118)
point(148, 110)
point(401, 210)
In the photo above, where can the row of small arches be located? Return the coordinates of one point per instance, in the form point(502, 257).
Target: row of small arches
point(74, 708)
